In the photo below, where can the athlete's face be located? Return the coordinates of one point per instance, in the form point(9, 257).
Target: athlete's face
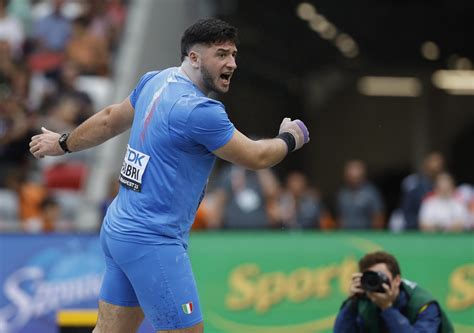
point(217, 66)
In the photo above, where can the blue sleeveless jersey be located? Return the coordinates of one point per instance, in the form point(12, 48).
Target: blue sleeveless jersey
point(168, 159)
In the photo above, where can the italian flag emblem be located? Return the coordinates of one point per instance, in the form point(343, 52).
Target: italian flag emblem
point(187, 308)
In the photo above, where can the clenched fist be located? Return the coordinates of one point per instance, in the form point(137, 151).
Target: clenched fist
point(297, 129)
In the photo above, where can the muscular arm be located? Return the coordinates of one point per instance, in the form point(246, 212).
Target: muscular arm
point(107, 123)
point(252, 154)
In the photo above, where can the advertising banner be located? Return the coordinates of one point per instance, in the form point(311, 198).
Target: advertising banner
point(296, 282)
point(248, 282)
point(42, 274)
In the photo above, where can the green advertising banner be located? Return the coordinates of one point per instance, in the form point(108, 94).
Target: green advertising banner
point(295, 282)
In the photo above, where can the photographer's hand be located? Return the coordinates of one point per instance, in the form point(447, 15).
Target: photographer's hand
point(384, 300)
point(355, 288)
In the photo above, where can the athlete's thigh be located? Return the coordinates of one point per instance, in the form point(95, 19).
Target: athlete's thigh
point(118, 319)
point(199, 328)
point(116, 289)
point(165, 287)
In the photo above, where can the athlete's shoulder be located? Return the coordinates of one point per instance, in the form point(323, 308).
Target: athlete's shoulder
point(167, 72)
point(150, 74)
point(141, 84)
point(147, 77)
point(192, 101)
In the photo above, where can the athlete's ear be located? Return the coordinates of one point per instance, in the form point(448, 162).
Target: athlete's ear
point(194, 59)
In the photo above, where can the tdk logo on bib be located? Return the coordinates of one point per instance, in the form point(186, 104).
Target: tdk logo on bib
point(133, 167)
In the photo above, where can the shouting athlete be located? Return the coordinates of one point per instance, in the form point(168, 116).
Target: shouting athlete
point(176, 134)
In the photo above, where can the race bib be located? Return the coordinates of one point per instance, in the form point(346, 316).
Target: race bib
point(133, 168)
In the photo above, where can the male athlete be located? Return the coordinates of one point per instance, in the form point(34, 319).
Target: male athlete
point(176, 132)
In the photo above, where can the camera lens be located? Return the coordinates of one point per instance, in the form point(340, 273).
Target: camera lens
point(373, 281)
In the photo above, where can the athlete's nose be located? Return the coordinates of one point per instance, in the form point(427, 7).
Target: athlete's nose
point(232, 63)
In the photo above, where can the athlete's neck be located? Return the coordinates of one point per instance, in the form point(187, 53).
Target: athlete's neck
point(193, 74)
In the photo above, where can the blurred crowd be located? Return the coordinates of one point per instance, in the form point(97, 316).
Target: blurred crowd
point(429, 201)
point(54, 55)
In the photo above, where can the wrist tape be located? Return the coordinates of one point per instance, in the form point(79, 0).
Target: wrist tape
point(289, 139)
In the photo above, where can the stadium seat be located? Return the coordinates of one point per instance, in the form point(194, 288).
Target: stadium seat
point(70, 175)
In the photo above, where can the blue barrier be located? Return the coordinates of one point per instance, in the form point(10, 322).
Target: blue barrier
point(41, 274)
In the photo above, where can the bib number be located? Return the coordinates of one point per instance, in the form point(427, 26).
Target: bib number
point(133, 168)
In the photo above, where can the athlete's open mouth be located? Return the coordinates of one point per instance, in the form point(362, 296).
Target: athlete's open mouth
point(226, 76)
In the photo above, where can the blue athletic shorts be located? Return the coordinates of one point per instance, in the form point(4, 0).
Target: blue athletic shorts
point(158, 278)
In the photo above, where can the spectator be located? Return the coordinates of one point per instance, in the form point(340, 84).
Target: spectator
point(106, 20)
point(50, 214)
point(65, 88)
point(300, 205)
point(22, 10)
point(465, 192)
point(69, 171)
point(63, 115)
point(87, 50)
point(359, 202)
point(98, 25)
point(399, 306)
point(9, 201)
point(47, 217)
point(204, 214)
point(116, 13)
point(52, 32)
point(31, 195)
point(11, 31)
point(244, 199)
point(14, 137)
point(13, 77)
point(443, 211)
point(416, 186)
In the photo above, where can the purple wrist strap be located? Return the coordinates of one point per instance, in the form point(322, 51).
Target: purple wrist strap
point(303, 129)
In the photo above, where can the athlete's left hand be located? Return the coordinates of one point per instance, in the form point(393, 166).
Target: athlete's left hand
point(45, 144)
point(384, 300)
point(296, 128)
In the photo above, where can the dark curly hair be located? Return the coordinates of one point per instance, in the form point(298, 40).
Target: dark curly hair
point(380, 257)
point(207, 31)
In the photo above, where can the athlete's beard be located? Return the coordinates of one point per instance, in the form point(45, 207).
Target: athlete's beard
point(208, 81)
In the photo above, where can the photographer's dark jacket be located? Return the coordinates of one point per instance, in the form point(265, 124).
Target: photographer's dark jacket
point(415, 310)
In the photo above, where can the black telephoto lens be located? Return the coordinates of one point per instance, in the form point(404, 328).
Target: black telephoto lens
point(373, 281)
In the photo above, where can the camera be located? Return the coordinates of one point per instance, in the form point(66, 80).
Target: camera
point(373, 281)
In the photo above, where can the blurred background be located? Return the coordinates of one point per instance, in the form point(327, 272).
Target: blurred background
point(386, 88)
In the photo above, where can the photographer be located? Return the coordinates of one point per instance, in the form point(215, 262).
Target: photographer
point(381, 301)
